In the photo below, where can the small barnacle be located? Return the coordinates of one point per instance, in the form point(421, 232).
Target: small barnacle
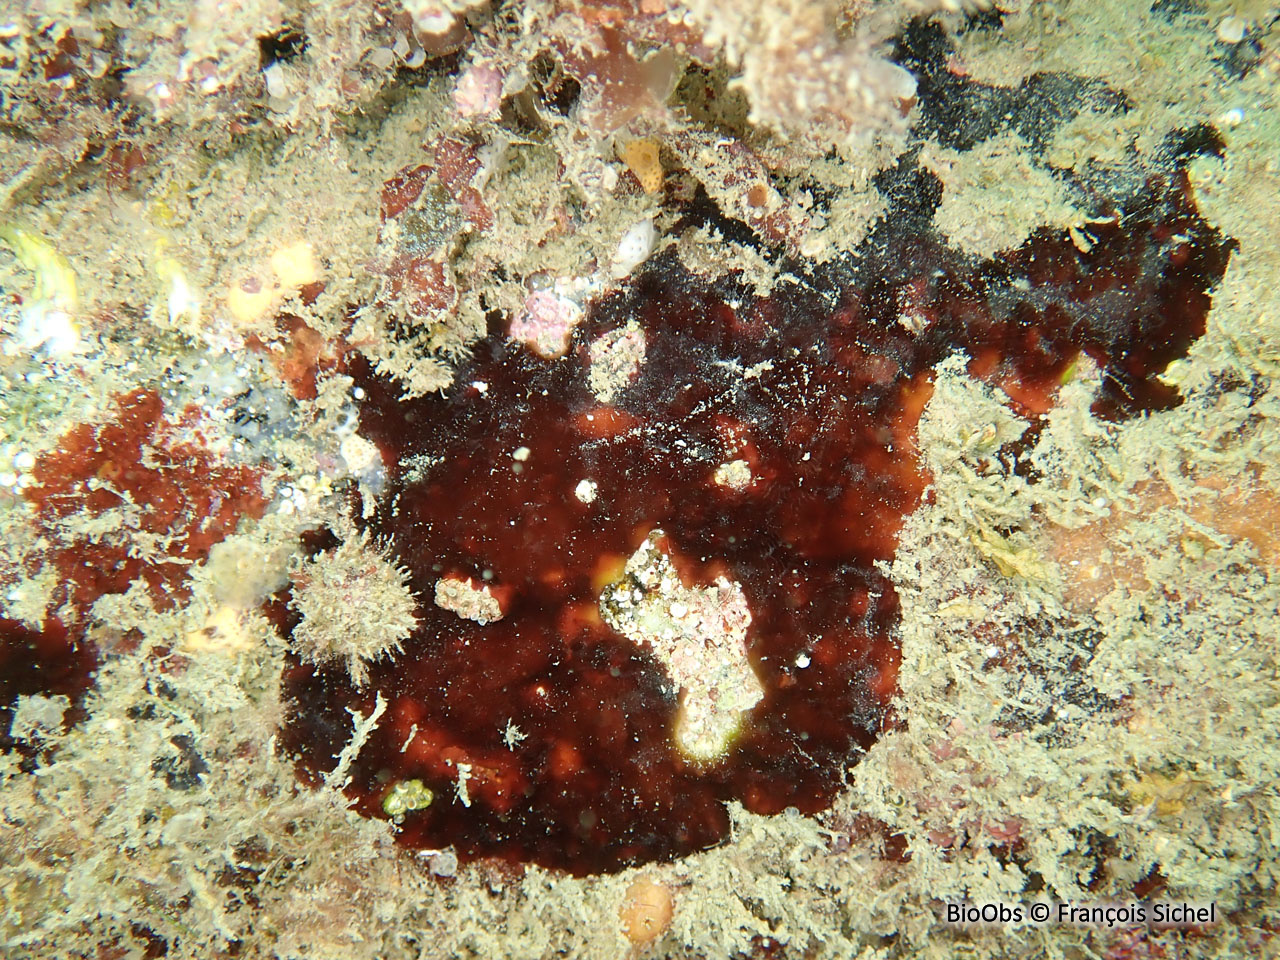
point(355, 606)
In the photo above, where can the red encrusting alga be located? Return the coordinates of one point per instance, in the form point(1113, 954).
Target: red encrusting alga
point(171, 497)
point(772, 442)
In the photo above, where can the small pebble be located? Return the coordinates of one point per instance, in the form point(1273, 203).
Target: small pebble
point(1231, 29)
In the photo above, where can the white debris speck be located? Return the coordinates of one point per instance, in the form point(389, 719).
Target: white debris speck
point(277, 86)
point(413, 732)
point(521, 454)
point(585, 491)
point(513, 736)
point(464, 774)
point(803, 661)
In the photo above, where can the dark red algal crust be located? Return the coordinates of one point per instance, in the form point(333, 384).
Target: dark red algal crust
point(826, 421)
point(52, 661)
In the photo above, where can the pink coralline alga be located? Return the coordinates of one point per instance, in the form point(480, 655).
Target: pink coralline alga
point(546, 322)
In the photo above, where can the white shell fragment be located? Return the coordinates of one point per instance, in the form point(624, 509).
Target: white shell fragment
point(634, 248)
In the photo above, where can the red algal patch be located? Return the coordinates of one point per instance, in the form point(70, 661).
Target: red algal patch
point(422, 229)
point(403, 189)
point(457, 166)
point(302, 356)
point(547, 735)
point(174, 498)
point(420, 285)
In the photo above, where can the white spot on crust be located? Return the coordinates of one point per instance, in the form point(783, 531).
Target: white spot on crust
point(736, 475)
